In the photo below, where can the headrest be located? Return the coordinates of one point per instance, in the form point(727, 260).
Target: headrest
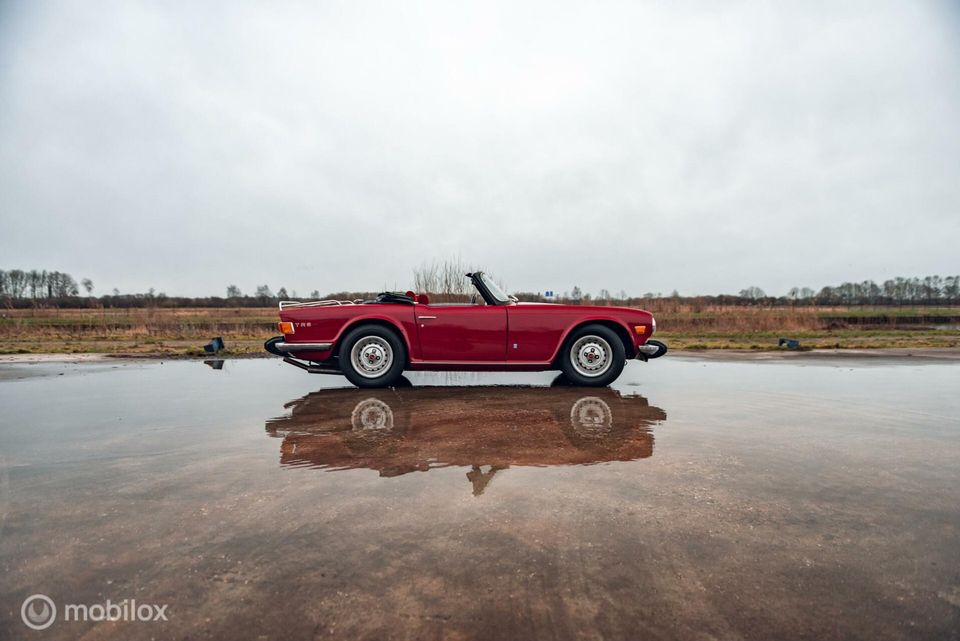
point(423, 299)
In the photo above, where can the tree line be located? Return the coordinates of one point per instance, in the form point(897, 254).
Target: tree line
point(41, 288)
point(929, 290)
point(30, 288)
point(916, 291)
point(33, 284)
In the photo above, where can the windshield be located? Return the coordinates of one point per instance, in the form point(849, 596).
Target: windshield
point(494, 290)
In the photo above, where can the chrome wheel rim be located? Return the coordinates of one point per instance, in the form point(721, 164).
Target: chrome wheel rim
point(591, 356)
point(371, 356)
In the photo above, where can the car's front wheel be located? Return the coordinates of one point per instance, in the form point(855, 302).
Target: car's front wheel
point(593, 356)
point(372, 356)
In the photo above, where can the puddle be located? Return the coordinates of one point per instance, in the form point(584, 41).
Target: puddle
point(695, 498)
point(416, 429)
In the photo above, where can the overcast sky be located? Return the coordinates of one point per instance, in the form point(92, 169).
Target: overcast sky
point(697, 146)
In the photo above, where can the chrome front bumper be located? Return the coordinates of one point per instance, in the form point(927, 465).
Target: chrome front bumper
point(651, 349)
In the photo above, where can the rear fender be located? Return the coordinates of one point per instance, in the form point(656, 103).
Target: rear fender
point(377, 319)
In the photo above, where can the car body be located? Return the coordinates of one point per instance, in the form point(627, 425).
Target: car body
point(373, 342)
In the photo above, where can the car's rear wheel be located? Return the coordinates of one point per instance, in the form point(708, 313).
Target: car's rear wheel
point(593, 356)
point(372, 356)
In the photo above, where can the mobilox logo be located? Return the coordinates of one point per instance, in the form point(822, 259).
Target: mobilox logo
point(39, 611)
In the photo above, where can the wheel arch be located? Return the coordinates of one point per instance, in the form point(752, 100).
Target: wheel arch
point(379, 321)
point(618, 328)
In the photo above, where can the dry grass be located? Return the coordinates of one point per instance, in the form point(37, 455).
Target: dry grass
point(135, 331)
point(738, 320)
point(180, 332)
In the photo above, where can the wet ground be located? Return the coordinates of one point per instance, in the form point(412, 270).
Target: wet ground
point(696, 499)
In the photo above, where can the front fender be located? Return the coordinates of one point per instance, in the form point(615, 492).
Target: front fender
point(618, 325)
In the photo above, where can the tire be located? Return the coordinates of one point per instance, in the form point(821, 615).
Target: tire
point(593, 356)
point(372, 356)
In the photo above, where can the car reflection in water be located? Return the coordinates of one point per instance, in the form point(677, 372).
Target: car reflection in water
point(488, 429)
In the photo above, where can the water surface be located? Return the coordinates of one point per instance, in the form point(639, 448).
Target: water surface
point(694, 499)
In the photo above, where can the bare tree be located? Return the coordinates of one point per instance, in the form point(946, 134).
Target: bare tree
point(17, 280)
point(233, 291)
point(443, 280)
point(264, 293)
point(87, 285)
point(753, 293)
point(426, 278)
point(35, 280)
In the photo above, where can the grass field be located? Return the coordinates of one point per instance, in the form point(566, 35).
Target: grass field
point(182, 332)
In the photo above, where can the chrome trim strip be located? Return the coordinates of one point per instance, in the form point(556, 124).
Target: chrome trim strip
point(285, 304)
point(425, 317)
point(303, 347)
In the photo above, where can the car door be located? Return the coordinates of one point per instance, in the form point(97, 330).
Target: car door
point(462, 333)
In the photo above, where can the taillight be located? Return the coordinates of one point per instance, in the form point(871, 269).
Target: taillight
point(285, 327)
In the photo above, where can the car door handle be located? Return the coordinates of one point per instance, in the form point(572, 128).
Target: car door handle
point(425, 317)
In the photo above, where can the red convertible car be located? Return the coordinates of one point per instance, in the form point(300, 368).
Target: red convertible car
point(373, 342)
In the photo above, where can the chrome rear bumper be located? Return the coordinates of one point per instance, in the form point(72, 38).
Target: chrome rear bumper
point(286, 348)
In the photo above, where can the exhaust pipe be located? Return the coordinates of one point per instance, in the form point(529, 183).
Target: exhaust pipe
point(312, 369)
